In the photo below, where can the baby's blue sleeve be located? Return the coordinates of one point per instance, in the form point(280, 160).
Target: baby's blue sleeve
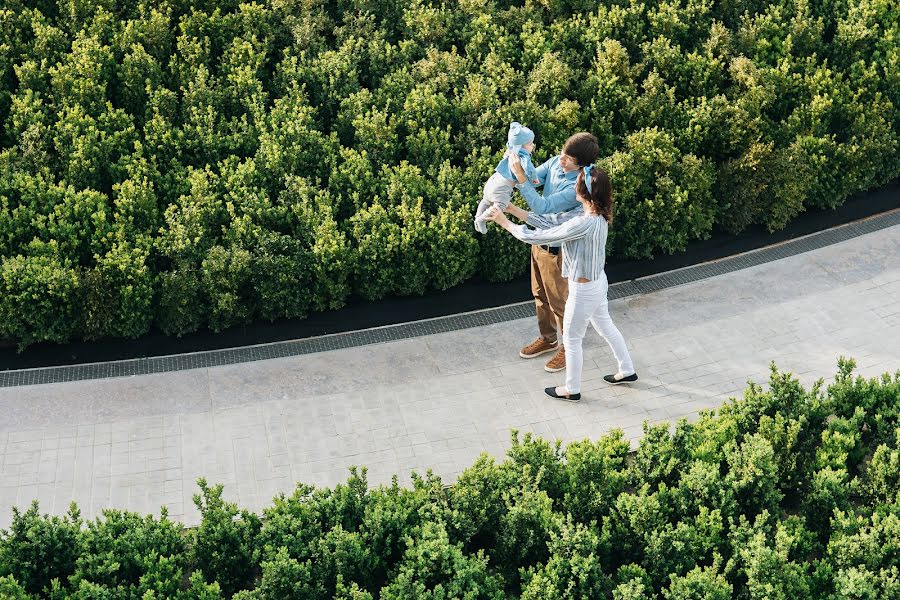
point(540, 173)
point(528, 167)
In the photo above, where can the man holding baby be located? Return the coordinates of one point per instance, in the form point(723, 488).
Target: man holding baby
point(548, 286)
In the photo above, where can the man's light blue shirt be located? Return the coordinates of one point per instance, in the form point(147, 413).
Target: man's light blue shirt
point(559, 189)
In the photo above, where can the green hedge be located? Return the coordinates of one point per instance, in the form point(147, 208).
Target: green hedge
point(786, 493)
point(187, 163)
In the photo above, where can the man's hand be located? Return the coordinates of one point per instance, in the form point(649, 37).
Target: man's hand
point(516, 167)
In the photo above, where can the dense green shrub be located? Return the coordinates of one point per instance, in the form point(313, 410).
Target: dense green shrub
point(36, 550)
point(11, 590)
point(180, 309)
point(38, 298)
point(118, 294)
point(699, 584)
point(763, 185)
point(573, 569)
point(133, 120)
point(664, 198)
point(453, 257)
point(377, 239)
point(155, 153)
point(433, 567)
point(123, 550)
point(224, 546)
point(786, 493)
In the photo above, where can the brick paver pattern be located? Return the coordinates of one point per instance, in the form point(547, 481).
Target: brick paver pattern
point(437, 402)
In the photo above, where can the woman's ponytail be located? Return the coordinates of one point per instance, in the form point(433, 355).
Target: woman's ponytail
point(593, 183)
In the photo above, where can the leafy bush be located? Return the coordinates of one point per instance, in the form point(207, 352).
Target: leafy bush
point(37, 550)
point(763, 185)
point(698, 584)
point(433, 567)
point(663, 198)
point(180, 309)
point(118, 294)
point(38, 299)
point(785, 493)
point(10, 589)
point(189, 164)
point(224, 546)
point(573, 569)
point(124, 550)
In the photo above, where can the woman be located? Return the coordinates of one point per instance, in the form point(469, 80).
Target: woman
point(582, 234)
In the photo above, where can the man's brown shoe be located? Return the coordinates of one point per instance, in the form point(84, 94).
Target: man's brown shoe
point(558, 362)
point(538, 347)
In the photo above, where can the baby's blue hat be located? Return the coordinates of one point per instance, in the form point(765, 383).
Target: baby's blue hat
point(519, 135)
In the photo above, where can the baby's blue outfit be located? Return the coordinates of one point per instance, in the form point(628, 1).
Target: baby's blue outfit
point(524, 158)
point(499, 187)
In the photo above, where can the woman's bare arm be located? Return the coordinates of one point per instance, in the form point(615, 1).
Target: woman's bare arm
point(517, 212)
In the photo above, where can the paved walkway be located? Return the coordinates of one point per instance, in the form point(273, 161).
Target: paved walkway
point(439, 401)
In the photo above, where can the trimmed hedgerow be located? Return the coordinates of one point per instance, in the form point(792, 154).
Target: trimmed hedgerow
point(785, 493)
point(184, 164)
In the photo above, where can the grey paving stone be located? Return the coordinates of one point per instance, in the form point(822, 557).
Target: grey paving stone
point(441, 400)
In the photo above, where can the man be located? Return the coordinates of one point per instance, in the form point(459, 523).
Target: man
point(548, 286)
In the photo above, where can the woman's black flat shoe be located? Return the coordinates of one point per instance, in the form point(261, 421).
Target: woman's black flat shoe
point(611, 379)
point(551, 391)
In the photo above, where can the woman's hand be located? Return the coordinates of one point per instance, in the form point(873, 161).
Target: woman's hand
point(496, 215)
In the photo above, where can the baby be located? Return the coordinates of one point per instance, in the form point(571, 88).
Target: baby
point(498, 189)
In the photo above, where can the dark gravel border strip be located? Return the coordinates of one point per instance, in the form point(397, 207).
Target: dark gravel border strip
point(653, 283)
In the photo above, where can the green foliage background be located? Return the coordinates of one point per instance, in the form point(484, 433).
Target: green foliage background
point(786, 493)
point(189, 163)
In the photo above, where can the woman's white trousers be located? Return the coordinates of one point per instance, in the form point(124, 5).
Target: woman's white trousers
point(587, 303)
